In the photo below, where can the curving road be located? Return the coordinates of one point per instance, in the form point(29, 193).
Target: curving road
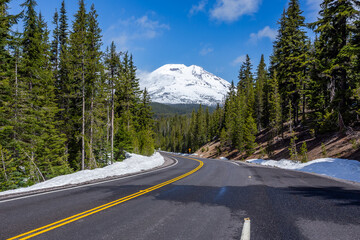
point(209, 202)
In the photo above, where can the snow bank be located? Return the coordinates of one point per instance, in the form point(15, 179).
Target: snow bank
point(223, 158)
point(132, 164)
point(333, 167)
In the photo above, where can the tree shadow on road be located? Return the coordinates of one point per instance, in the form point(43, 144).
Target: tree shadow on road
point(344, 197)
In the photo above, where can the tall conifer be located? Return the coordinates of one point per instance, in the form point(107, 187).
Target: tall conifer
point(260, 104)
point(78, 60)
point(334, 59)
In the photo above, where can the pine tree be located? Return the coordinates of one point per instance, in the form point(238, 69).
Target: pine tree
point(216, 122)
point(55, 46)
point(293, 146)
point(192, 137)
point(40, 142)
point(145, 125)
point(127, 93)
point(6, 65)
point(65, 96)
point(144, 112)
point(127, 97)
point(246, 84)
point(356, 65)
point(11, 175)
point(289, 58)
point(230, 117)
point(93, 69)
point(260, 104)
point(113, 66)
point(334, 60)
point(242, 113)
point(249, 135)
point(274, 102)
point(63, 27)
point(78, 60)
point(245, 109)
point(207, 125)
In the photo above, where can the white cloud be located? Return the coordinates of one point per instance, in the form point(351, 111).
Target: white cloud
point(313, 7)
point(145, 23)
point(142, 75)
point(239, 59)
point(123, 32)
point(200, 7)
point(206, 49)
point(231, 10)
point(266, 32)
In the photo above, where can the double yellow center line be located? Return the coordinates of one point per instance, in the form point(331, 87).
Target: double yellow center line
point(92, 211)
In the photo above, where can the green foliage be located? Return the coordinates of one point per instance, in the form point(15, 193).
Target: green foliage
point(223, 137)
point(315, 82)
point(323, 150)
point(274, 105)
point(303, 153)
point(328, 122)
point(249, 135)
point(335, 61)
point(312, 132)
point(290, 59)
point(63, 101)
point(169, 110)
point(55, 98)
point(355, 144)
point(292, 148)
point(261, 96)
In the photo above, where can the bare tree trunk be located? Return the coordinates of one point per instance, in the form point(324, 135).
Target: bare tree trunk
point(112, 122)
point(3, 163)
point(16, 86)
point(83, 119)
point(108, 126)
point(92, 159)
point(16, 94)
point(33, 162)
point(303, 104)
point(341, 123)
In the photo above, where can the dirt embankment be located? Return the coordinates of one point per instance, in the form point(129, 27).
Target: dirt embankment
point(334, 145)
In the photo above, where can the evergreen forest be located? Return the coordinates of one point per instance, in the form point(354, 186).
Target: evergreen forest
point(314, 84)
point(64, 104)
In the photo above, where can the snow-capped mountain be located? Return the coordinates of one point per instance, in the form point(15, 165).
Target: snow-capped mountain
point(179, 84)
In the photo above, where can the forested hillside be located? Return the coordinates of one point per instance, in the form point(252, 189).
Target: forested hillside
point(64, 104)
point(314, 85)
point(168, 110)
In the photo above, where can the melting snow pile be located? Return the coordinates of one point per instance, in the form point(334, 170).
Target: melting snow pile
point(132, 164)
point(333, 167)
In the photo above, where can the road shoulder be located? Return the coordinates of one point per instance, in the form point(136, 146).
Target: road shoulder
point(168, 162)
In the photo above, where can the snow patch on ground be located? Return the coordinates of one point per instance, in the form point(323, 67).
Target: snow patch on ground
point(132, 164)
point(333, 167)
point(223, 158)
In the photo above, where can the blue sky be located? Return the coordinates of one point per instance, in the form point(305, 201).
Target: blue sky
point(214, 34)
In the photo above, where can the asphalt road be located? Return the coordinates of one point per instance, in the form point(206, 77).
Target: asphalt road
point(211, 203)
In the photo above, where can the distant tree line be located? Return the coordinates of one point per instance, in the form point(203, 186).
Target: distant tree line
point(309, 83)
point(64, 104)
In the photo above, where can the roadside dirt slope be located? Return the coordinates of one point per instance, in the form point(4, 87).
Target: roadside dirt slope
point(334, 145)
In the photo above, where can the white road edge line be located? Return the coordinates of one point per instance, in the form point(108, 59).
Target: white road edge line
point(91, 184)
point(219, 160)
point(245, 235)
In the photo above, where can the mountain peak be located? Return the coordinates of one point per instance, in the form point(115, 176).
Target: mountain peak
point(180, 84)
